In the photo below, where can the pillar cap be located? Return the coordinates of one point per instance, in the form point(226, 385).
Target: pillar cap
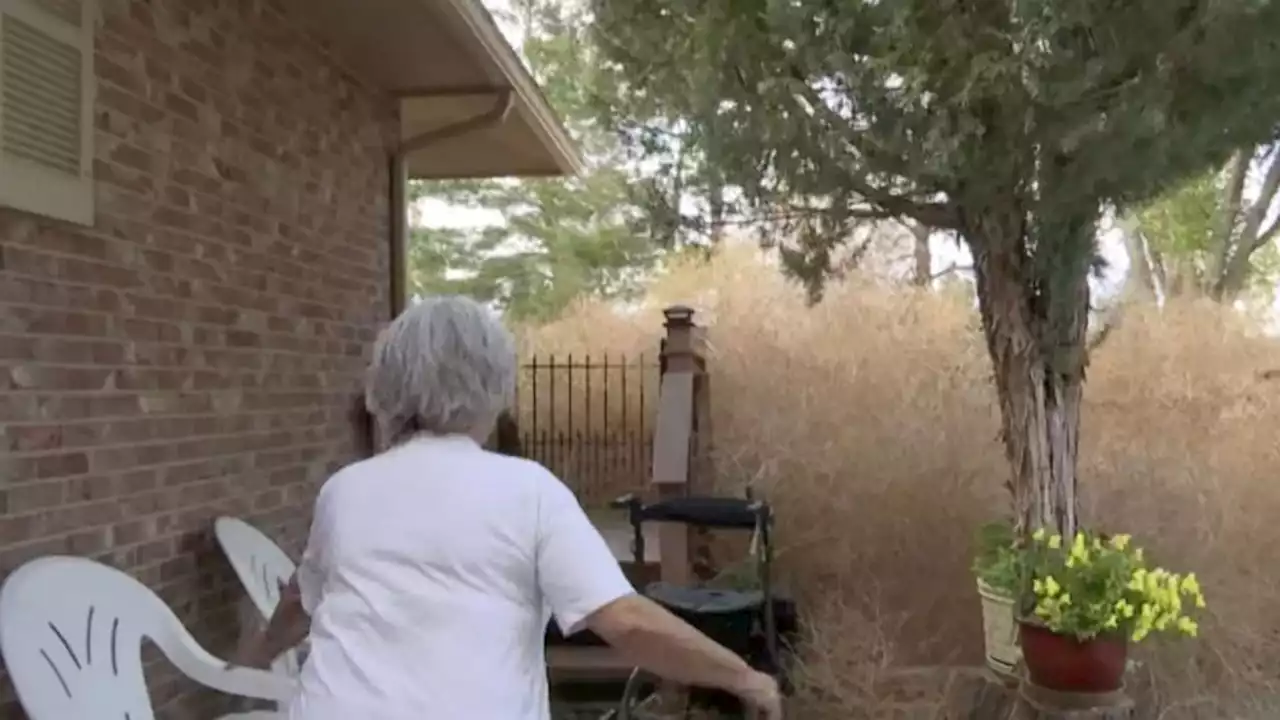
point(678, 315)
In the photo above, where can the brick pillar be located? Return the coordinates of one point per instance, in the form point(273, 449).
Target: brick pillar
point(674, 436)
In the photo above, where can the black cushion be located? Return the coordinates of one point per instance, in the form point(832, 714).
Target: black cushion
point(708, 512)
point(703, 601)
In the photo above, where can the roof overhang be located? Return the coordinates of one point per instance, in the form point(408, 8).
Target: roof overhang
point(468, 106)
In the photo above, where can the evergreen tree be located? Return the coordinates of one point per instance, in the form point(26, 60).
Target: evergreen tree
point(1014, 123)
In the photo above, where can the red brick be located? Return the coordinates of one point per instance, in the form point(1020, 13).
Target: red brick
point(36, 496)
point(51, 377)
point(178, 360)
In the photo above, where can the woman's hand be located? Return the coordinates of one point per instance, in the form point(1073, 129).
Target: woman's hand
point(760, 695)
point(287, 628)
point(253, 654)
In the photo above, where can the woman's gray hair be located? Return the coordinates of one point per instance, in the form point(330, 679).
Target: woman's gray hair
point(445, 366)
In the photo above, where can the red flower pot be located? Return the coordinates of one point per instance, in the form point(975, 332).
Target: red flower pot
point(1063, 663)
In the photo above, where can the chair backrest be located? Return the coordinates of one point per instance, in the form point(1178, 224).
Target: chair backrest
point(262, 568)
point(257, 560)
point(71, 635)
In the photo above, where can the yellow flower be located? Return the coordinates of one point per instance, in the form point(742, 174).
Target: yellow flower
point(1190, 585)
point(1038, 535)
point(1079, 552)
point(1188, 626)
point(1051, 587)
point(1055, 542)
point(1138, 581)
point(1120, 542)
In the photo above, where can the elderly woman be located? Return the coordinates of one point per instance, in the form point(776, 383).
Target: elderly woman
point(432, 567)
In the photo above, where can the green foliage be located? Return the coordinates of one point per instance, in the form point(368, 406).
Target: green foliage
point(555, 239)
point(1098, 586)
point(1181, 221)
point(1181, 229)
point(559, 239)
point(997, 561)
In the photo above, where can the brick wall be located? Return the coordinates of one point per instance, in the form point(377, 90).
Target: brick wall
point(192, 354)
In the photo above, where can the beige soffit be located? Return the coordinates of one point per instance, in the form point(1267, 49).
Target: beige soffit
point(465, 96)
point(529, 100)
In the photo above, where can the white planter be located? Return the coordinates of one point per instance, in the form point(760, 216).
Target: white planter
point(1000, 631)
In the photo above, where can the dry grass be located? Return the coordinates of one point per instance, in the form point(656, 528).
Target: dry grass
point(869, 421)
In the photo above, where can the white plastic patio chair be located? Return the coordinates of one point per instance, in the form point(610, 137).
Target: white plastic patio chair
point(71, 635)
point(262, 568)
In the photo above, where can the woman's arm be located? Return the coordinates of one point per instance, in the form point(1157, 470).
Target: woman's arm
point(582, 582)
point(651, 637)
point(288, 627)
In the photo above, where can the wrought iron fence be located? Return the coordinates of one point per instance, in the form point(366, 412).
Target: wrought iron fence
point(589, 420)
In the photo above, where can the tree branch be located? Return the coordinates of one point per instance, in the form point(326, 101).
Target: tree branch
point(1258, 210)
point(1228, 210)
point(934, 215)
point(952, 268)
point(1269, 234)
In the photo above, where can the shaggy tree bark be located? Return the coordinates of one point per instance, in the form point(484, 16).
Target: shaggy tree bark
point(1035, 328)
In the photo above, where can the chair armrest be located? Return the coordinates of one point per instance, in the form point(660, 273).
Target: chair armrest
point(251, 683)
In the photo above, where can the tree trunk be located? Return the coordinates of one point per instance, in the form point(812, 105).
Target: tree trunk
point(1140, 284)
point(1035, 331)
point(715, 197)
point(1224, 224)
point(1236, 269)
point(922, 272)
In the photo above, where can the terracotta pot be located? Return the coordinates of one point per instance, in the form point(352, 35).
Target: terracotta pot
point(1061, 662)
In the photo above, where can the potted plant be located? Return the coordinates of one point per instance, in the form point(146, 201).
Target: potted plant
point(1089, 598)
point(996, 567)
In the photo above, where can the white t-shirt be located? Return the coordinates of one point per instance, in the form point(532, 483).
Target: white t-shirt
point(430, 575)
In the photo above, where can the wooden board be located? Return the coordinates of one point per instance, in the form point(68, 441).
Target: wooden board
point(570, 663)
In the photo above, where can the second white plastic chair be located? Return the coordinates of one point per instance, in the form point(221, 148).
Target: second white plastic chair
point(262, 568)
